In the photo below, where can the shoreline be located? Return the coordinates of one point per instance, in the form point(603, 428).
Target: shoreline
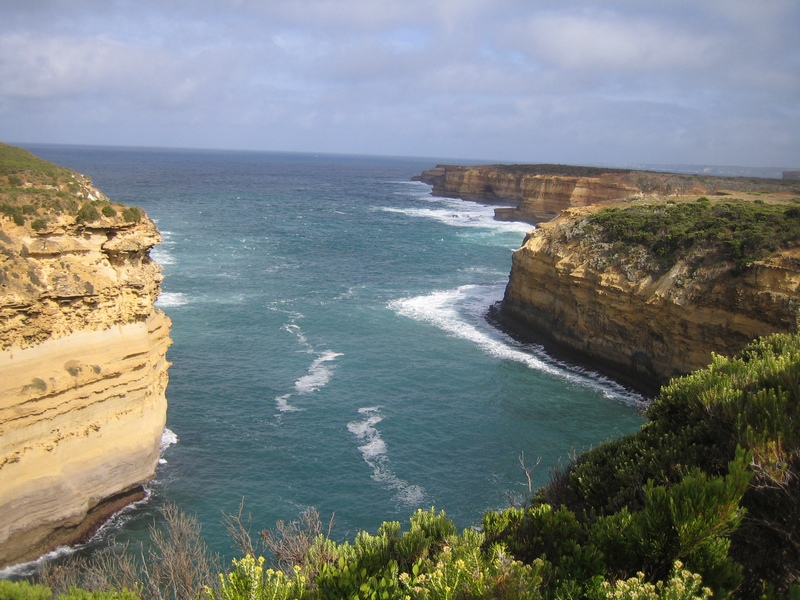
point(72, 538)
point(525, 334)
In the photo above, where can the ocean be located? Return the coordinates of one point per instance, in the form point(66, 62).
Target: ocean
point(331, 348)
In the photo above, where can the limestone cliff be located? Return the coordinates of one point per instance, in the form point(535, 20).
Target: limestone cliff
point(611, 305)
point(539, 192)
point(82, 353)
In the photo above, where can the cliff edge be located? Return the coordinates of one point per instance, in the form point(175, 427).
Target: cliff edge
point(82, 352)
point(539, 192)
point(647, 290)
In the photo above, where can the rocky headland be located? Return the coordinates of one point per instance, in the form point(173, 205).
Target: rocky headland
point(82, 353)
point(650, 294)
point(539, 192)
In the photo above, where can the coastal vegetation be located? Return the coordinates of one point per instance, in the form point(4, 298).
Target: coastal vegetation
point(703, 501)
point(35, 192)
point(730, 230)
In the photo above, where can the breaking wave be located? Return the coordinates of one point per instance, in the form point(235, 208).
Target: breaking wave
point(461, 313)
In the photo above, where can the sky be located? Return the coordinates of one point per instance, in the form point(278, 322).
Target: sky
point(712, 82)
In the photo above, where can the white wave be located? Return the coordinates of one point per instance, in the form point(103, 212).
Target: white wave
point(451, 310)
point(318, 374)
point(420, 186)
point(115, 522)
point(374, 452)
point(477, 216)
point(171, 299)
point(282, 404)
point(168, 438)
point(295, 329)
point(27, 569)
point(365, 430)
point(162, 256)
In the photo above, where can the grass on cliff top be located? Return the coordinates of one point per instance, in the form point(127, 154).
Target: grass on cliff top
point(656, 182)
point(16, 161)
point(736, 231)
point(33, 190)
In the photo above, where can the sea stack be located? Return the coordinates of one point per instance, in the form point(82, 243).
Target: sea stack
point(82, 353)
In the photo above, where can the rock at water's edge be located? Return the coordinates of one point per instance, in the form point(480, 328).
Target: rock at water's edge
point(83, 358)
point(565, 289)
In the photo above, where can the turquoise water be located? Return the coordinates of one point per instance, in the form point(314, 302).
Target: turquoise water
point(330, 343)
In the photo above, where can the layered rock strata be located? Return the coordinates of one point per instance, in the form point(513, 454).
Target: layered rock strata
point(539, 192)
point(83, 359)
point(565, 288)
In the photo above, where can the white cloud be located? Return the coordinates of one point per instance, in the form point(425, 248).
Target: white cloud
point(592, 41)
point(535, 79)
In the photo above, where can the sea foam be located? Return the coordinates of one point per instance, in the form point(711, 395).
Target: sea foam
point(460, 312)
point(161, 253)
point(318, 375)
point(168, 438)
point(482, 217)
point(171, 299)
point(457, 213)
point(374, 451)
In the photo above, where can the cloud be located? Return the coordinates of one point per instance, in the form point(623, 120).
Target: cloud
point(504, 79)
point(593, 41)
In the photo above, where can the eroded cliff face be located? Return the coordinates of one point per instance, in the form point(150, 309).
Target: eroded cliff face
point(566, 287)
point(539, 192)
point(84, 369)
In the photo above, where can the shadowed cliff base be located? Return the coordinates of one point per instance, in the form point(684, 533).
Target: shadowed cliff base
point(85, 530)
point(649, 290)
point(647, 384)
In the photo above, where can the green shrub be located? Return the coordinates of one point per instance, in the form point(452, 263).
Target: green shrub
point(108, 210)
point(14, 160)
point(740, 232)
point(87, 213)
point(23, 590)
point(132, 214)
point(696, 424)
point(38, 224)
point(13, 211)
point(248, 580)
point(681, 585)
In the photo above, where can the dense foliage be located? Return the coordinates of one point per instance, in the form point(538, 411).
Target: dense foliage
point(736, 231)
point(14, 161)
point(33, 191)
point(703, 501)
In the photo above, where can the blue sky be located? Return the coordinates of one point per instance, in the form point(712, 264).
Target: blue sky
point(617, 82)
